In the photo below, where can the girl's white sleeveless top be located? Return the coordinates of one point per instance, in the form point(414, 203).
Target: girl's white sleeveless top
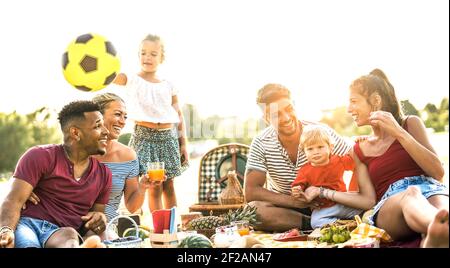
point(150, 102)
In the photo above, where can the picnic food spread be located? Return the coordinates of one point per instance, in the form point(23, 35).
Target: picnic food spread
point(292, 235)
point(337, 232)
point(225, 234)
point(247, 213)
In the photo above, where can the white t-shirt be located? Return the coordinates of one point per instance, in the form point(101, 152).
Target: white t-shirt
point(150, 102)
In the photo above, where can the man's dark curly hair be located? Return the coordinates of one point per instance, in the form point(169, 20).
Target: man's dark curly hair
point(75, 111)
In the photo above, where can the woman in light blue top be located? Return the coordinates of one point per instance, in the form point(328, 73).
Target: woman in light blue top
point(121, 159)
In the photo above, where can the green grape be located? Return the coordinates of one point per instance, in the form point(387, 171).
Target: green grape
point(327, 236)
point(336, 238)
point(341, 238)
point(347, 235)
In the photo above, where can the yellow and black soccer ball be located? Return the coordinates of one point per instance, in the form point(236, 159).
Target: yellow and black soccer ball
point(90, 62)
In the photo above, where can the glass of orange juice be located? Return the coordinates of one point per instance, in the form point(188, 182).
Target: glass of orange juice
point(155, 171)
point(242, 227)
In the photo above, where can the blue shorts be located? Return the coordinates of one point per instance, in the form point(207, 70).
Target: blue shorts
point(320, 217)
point(33, 233)
point(427, 185)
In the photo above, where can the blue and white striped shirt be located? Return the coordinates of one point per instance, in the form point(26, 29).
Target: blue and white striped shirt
point(121, 171)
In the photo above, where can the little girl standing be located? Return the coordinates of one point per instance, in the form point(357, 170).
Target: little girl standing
point(159, 133)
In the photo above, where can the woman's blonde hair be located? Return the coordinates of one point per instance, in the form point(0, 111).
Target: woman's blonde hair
point(314, 134)
point(103, 100)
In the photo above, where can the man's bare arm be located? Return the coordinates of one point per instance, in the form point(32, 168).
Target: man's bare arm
point(254, 191)
point(12, 204)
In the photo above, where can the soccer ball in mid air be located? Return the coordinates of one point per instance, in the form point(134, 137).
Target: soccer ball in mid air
point(90, 62)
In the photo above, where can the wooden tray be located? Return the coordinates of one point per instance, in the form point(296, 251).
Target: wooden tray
point(213, 208)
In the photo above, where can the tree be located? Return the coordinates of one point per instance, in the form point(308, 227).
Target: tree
point(444, 105)
point(408, 108)
point(125, 138)
point(436, 118)
point(443, 112)
point(341, 121)
point(20, 132)
point(15, 139)
point(431, 108)
point(45, 129)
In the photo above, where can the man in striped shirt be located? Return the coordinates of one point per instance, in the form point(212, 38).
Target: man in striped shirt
point(274, 161)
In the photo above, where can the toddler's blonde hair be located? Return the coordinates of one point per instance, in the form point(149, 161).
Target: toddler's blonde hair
point(314, 134)
point(156, 38)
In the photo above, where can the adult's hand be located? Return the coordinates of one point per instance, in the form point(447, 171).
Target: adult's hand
point(296, 191)
point(385, 121)
point(312, 192)
point(95, 221)
point(360, 138)
point(33, 199)
point(145, 182)
point(301, 202)
point(308, 198)
point(6, 238)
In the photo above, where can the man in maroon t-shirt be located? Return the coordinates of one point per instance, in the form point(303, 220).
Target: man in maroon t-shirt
point(72, 186)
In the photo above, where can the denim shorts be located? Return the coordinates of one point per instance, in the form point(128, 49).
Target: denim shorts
point(328, 215)
point(33, 233)
point(427, 185)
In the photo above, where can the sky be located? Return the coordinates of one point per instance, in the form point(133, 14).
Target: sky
point(220, 52)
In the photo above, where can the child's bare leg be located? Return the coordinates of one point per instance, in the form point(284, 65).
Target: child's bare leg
point(170, 199)
point(154, 197)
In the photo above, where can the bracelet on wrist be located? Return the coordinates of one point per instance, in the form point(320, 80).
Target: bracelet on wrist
point(332, 195)
point(5, 229)
point(321, 190)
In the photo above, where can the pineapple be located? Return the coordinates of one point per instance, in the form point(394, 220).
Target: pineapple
point(210, 222)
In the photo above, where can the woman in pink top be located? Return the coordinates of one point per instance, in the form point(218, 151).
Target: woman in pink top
point(398, 169)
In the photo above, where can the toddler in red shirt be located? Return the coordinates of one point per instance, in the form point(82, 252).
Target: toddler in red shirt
point(325, 171)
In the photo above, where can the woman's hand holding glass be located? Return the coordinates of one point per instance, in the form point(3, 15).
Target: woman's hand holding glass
point(145, 182)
